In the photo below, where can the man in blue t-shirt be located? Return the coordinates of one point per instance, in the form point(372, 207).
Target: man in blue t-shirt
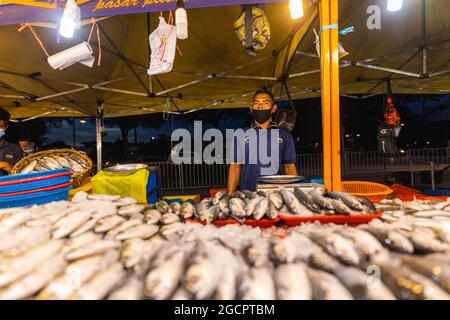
point(261, 150)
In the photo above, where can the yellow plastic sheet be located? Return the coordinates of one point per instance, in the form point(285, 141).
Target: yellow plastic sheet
point(130, 185)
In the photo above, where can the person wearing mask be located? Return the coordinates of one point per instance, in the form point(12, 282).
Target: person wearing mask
point(28, 146)
point(10, 153)
point(263, 149)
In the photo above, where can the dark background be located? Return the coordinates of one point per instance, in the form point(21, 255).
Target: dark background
point(425, 119)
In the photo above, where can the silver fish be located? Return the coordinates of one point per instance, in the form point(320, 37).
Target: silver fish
point(62, 161)
point(257, 284)
point(152, 216)
point(18, 240)
point(132, 289)
point(122, 227)
point(34, 281)
point(292, 283)
point(204, 214)
point(435, 269)
point(143, 231)
point(52, 163)
point(362, 286)
point(169, 218)
point(217, 197)
point(238, 194)
point(81, 240)
point(162, 206)
point(391, 239)
point(108, 223)
point(237, 207)
point(322, 201)
point(224, 204)
point(347, 199)
point(176, 208)
point(261, 209)
point(326, 286)
point(132, 252)
point(29, 167)
point(339, 207)
point(256, 253)
point(366, 243)
point(337, 246)
point(321, 260)
point(122, 202)
point(12, 220)
point(80, 196)
point(250, 207)
point(432, 213)
point(187, 210)
point(126, 211)
point(70, 223)
point(162, 281)
point(306, 200)
point(170, 229)
point(424, 242)
point(90, 249)
point(272, 213)
point(76, 274)
point(228, 281)
point(202, 274)
point(293, 204)
point(406, 284)
point(276, 199)
point(15, 268)
point(85, 227)
point(282, 250)
point(101, 284)
point(181, 294)
point(103, 197)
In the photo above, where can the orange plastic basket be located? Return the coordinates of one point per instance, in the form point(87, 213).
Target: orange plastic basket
point(365, 188)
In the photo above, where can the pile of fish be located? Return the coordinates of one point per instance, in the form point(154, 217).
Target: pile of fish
point(69, 161)
point(257, 205)
point(425, 216)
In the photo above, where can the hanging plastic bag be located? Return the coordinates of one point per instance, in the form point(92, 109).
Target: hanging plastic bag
point(163, 42)
point(260, 29)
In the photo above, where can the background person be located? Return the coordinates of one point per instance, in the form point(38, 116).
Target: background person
point(28, 146)
point(10, 153)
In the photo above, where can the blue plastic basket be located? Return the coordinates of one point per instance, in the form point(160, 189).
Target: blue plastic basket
point(35, 184)
point(438, 192)
point(35, 198)
point(17, 178)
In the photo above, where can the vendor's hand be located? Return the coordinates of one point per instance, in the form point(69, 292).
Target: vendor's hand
point(5, 166)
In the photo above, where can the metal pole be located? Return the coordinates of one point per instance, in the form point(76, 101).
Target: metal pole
point(433, 184)
point(73, 134)
point(98, 133)
point(424, 38)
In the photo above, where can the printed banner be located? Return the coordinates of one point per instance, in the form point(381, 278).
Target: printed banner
point(14, 14)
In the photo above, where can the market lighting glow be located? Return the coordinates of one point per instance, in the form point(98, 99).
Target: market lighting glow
point(296, 8)
point(70, 19)
point(394, 5)
point(402, 124)
point(358, 135)
point(82, 121)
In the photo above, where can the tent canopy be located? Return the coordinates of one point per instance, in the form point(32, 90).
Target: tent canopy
point(212, 70)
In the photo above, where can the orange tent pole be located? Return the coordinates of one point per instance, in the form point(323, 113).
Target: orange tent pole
point(324, 11)
point(335, 109)
point(329, 60)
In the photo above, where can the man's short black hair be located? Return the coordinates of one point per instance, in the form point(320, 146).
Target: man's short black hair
point(4, 115)
point(264, 91)
point(25, 138)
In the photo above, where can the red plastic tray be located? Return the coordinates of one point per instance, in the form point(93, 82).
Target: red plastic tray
point(50, 176)
point(336, 219)
point(263, 223)
point(58, 186)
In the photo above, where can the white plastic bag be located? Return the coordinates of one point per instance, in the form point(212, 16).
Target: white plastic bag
point(163, 43)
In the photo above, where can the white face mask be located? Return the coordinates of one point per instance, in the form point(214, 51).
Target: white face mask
point(29, 150)
point(2, 132)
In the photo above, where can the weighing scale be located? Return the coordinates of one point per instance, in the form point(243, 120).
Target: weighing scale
point(270, 183)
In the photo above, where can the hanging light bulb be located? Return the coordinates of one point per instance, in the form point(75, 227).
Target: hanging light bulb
point(296, 8)
point(70, 19)
point(394, 5)
point(181, 20)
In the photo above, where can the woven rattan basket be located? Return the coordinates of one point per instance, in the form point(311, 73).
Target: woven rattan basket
point(78, 178)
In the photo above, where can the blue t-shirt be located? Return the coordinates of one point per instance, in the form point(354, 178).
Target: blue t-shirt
point(261, 153)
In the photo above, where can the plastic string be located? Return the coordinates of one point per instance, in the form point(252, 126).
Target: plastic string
point(36, 37)
point(94, 24)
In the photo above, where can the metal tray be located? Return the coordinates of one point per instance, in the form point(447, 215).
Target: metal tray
point(125, 168)
point(280, 179)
